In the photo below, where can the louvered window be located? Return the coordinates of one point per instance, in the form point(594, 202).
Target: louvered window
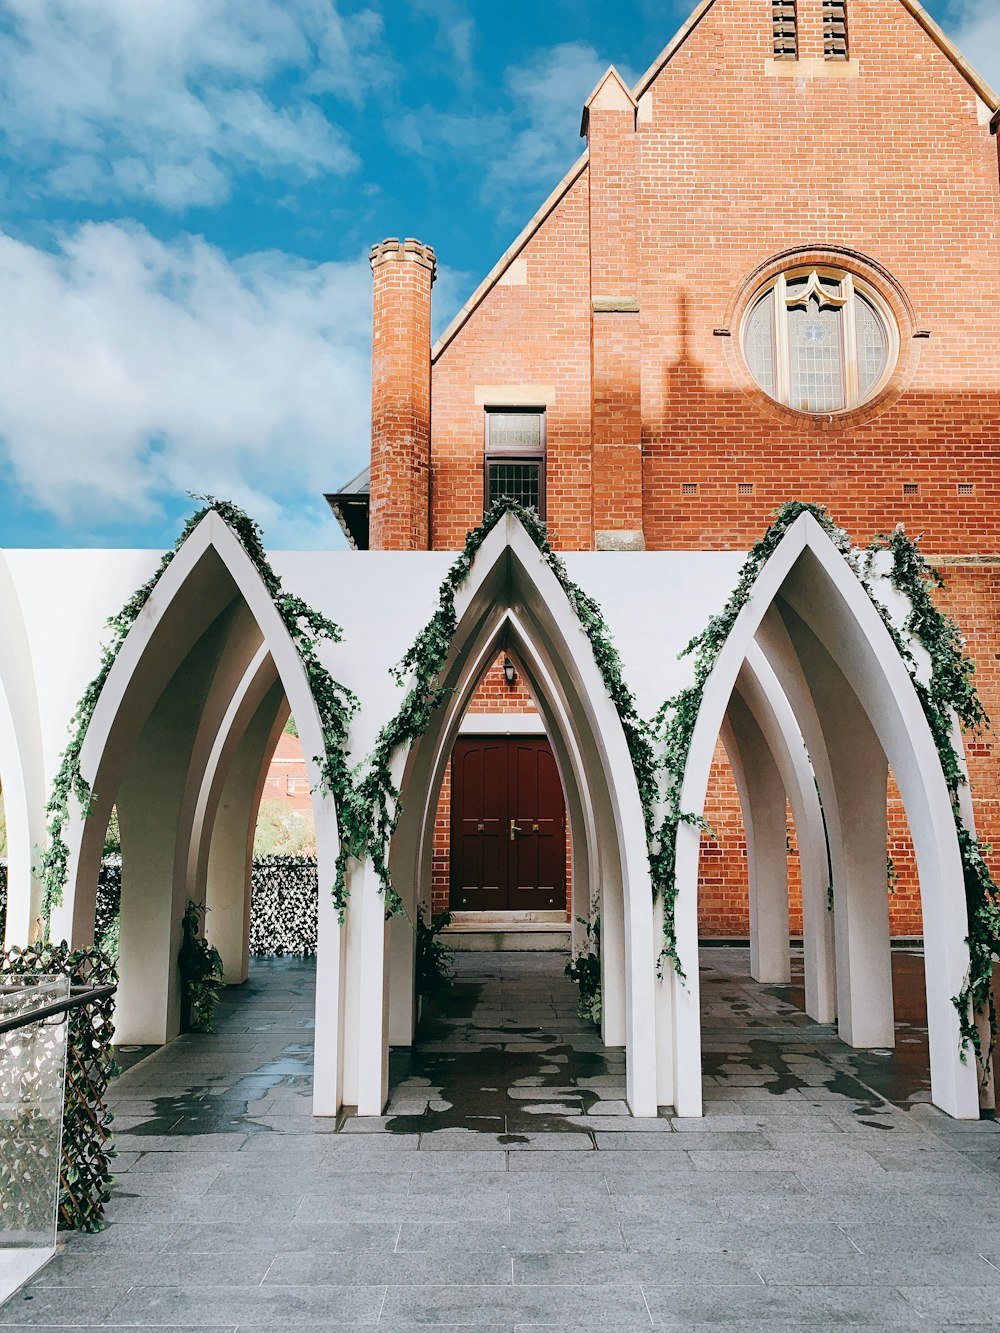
point(786, 45)
point(835, 29)
point(515, 458)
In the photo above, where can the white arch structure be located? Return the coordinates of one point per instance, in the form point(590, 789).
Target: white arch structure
point(197, 692)
point(809, 693)
point(855, 704)
point(512, 600)
point(770, 762)
point(22, 780)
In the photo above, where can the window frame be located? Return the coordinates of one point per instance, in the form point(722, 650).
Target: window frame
point(493, 453)
point(852, 289)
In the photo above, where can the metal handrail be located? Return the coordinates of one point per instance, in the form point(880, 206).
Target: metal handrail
point(79, 995)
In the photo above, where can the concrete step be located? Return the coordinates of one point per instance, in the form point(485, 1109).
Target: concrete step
point(494, 932)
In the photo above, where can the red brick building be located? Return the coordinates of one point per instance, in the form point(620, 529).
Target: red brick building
point(773, 274)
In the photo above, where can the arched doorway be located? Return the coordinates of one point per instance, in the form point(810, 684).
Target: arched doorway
point(857, 710)
point(177, 742)
point(512, 602)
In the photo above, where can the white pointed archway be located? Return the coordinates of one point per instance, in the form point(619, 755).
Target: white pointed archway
point(21, 777)
point(836, 649)
point(775, 729)
point(511, 598)
point(204, 672)
point(221, 845)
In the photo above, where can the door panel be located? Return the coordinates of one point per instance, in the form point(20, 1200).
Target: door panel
point(508, 821)
point(479, 857)
point(538, 850)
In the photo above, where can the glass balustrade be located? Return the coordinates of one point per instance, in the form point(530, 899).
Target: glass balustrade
point(32, 1077)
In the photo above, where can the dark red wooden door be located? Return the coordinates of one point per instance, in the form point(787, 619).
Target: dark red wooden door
point(508, 826)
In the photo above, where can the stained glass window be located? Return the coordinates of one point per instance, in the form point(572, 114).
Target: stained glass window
point(758, 342)
point(873, 346)
point(816, 357)
point(815, 341)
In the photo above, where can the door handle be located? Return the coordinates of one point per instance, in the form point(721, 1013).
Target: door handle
point(513, 829)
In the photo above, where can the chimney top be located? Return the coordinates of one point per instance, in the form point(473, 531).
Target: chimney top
point(410, 249)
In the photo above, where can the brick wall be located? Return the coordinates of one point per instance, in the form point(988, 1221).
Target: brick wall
point(287, 780)
point(621, 314)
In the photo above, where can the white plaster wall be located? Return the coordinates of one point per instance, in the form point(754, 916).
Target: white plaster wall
point(654, 603)
point(66, 597)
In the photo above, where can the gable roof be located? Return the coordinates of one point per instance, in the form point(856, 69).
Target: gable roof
point(511, 253)
point(937, 35)
point(934, 31)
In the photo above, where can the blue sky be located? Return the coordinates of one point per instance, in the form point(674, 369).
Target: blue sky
point(189, 192)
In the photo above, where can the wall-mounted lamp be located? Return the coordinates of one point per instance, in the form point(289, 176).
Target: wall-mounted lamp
point(509, 672)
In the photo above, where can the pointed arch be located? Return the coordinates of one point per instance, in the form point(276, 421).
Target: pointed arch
point(512, 598)
point(151, 746)
point(763, 695)
point(869, 713)
point(220, 852)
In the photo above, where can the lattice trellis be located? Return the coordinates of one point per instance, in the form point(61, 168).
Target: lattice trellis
point(109, 895)
point(283, 915)
point(87, 1149)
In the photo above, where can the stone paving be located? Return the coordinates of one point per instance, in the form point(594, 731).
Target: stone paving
point(506, 1189)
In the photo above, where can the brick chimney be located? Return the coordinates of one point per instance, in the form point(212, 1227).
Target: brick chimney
point(402, 272)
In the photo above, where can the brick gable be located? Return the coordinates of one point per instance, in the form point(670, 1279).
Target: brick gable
point(619, 312)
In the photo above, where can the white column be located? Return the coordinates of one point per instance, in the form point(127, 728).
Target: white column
point(329, 1031)
point(687, 992)
point(858, 826)
point(227, 887)
point(762, 795)
point(779, 722)
point(373, 1008)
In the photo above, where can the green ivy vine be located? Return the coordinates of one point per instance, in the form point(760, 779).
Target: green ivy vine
point(433, 964)
point(675, 720)
point(951, 691)
point(336, 704)
point(585, 969)
point(368, 801)
point(376, 807)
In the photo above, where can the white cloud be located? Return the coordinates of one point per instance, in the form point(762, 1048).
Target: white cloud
point(132, 370)
point(167, 99)
point(976, 30)
point(548, 92)
point(455, 33)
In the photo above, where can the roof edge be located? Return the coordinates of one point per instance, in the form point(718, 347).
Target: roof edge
point(944, 43)
point(510, 254)
point(678, 40)
point(938, 36)
point(610, 75)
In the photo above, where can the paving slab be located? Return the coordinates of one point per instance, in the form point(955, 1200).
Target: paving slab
point(507, 1187)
